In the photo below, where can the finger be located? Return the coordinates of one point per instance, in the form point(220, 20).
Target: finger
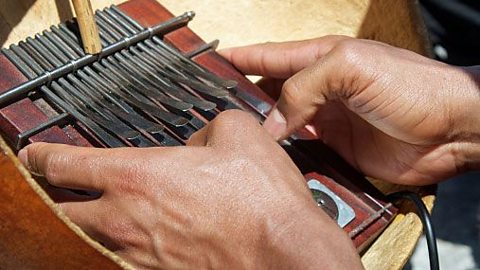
point(234, 129)
point(71, 166)
point(198, 138)
point(337, 76)
point(93, 217)
point(279, 60)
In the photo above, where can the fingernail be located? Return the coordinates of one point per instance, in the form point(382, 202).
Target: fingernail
point(275, 124)
point(22, 155)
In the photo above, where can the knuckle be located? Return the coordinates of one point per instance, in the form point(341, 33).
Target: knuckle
point(233, 118)
point(131, 179)
point(291, 93)
point(349, 51)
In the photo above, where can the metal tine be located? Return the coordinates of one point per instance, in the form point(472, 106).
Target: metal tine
point(202, 72)
point(54, 121)
point(151, 130)
point(113, 13)
point(53, 48)
point(101, 134)
point(194, 121)
point(132, 84)
point(134, 71)
point(210, 46)
point(105, 21)
point(36, 56)
point(110, 121)
point(130, 23)
point(31, 63)
point(150, 92)
point(164, 99)
point(147, 106)
point(56, 35)
point(259, 106)
point(174, 122)
point(143, 104)
point(213, 92)
point(109, 30)
point(138, 120)
point(72, 43)
point(99, 86)
point(22, 90)
point(181, 93)
point(68, 37)
point(171, 103)
point(118, 86)
point(98, 131)
point(71, 95)
point(161, 67)
point(132, 117)
point(173, 78)
point(128, 136)
point(102, 116)
point(40, 49)
point(108, 23)
point(178, 92)
point(162, 80)
point(53, 56)
point(164, 50)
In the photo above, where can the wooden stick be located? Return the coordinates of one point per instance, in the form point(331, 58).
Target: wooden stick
point(88, 27)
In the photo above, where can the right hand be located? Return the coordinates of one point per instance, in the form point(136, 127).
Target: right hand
point(391, 113)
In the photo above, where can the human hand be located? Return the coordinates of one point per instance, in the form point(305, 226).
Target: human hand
point(231, 198)
point(391, 113)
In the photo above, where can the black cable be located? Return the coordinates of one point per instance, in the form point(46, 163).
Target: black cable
point(426, 221)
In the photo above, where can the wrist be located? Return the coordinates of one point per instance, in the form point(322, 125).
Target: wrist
point(466, 138)
point(309, 239)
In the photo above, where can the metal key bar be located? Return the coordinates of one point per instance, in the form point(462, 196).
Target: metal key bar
point(108, 122)
point(149, 91)
point(105, 117)
point(114, 124)
point(141, 124)
point(56, 35)
point(67, 36)
point(21, 61)
point(129, 23)
point(114, 31)
point(203, 48)
point(20, 91)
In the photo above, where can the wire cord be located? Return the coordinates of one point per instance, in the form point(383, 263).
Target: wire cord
point(426, 221)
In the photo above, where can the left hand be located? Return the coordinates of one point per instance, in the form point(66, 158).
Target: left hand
point(231, 198)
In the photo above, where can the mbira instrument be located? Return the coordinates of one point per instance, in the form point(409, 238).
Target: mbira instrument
point(155, 83)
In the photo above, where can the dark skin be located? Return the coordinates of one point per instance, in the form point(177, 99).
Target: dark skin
point(232, 198)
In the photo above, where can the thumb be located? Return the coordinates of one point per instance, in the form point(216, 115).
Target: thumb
point(304, 93)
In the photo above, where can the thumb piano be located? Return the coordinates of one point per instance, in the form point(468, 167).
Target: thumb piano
point(154, 84)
